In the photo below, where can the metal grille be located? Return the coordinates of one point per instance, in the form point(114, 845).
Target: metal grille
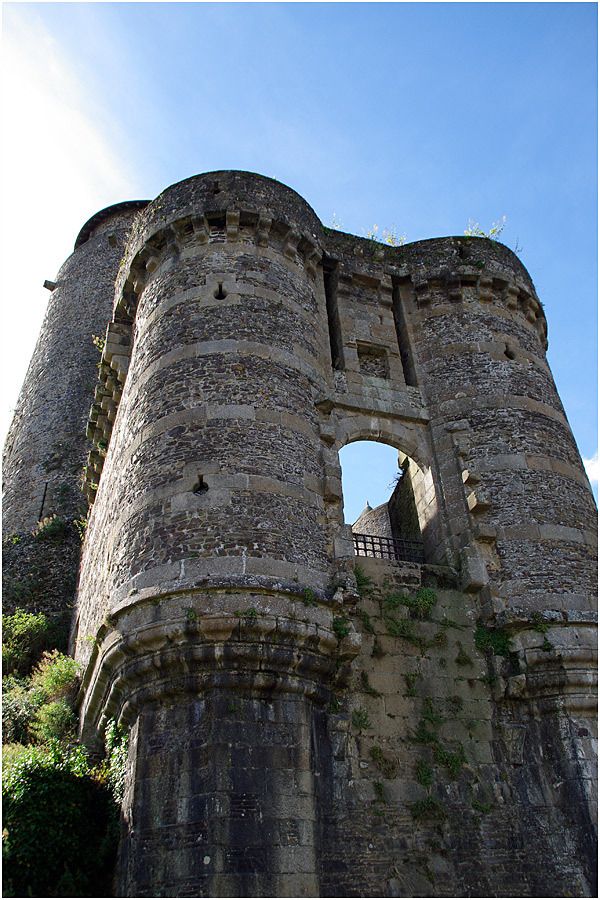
point(388, 548)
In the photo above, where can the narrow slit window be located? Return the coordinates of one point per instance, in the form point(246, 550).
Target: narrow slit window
point(330, 281)
point(406, 354)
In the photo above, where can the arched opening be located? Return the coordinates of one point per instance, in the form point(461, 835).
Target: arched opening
point(389, 503)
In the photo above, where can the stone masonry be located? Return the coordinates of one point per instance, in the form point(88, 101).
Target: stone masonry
point(300, 725)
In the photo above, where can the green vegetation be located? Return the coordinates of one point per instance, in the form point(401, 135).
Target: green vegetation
point(379, 792)
point(40, 708)
point(411, 679)
point(51, 528)
point(249, 613)
point(56, 675)
point(115, 763)
point(98, 342)
point(388, 236)
point(365, 618)
point(452, 761)
point(420, 605)
point(55, 720)
point(24, 637)
point(341, 627)
point(402, 628)
point(429, 713)
point(428, 808)
point(364, 584)
point(81, 525)
point(360, 719)
point(334, 704)
point(19, 707)
point(60, 825)
point(366, 686)
point(474, 229)
point(424, 773)
point(61, 815)
point(309, 598)
point(494, 640)
point(423, 735)
point(387, 767)
point(538, 623)
point(440, 639)
point(482, 806)
point(446, 622)
point(462, 657)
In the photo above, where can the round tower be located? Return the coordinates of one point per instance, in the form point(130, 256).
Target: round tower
point(206, 576)
point(46, 447)
point(516, 494)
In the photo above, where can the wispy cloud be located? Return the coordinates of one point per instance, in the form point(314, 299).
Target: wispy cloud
point(592, 467)
point(58, 168)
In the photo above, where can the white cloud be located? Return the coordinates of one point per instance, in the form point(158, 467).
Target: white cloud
point(592, 467)
point(58, 169)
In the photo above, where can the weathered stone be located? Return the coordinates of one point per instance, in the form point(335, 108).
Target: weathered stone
point(288, 736)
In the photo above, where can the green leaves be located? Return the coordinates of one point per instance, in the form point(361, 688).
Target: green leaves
point(59, 832)
point(24, 636)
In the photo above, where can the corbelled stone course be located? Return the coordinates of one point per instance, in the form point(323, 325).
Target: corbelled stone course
point(300, 727)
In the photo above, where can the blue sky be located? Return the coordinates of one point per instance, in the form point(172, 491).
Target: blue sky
point(413, 116)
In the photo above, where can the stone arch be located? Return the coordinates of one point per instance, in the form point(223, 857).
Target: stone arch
point(411, 440)
point(406, 437)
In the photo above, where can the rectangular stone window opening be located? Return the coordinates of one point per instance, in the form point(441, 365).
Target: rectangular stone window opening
point(373, 361)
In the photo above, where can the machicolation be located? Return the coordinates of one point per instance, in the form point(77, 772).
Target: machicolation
point(405, 709)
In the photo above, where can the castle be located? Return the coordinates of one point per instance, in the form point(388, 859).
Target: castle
point(403, 710)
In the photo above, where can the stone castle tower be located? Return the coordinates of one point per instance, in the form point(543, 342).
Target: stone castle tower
point(419, 726)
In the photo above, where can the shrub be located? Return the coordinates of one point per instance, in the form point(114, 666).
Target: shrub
point(422, 734)
point(56, 676)
point(424, 773)
point(54, 721)
point(364, 583)
point(452, 761)
point(117, 749)
point(24, 636)
point(11, 753)
point(422, 603)
point(51, 528)
point(428, 808)
point(341, 627)
point(59, 826)
point(494, 640)
point(430, 714)
point(19, 706)
point(309, 598)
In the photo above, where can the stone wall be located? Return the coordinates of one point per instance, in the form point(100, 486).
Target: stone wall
point(434, 788)
point(46, 447)
point(436, 745)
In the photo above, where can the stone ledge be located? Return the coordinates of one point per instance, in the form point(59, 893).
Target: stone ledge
point(192, 653)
